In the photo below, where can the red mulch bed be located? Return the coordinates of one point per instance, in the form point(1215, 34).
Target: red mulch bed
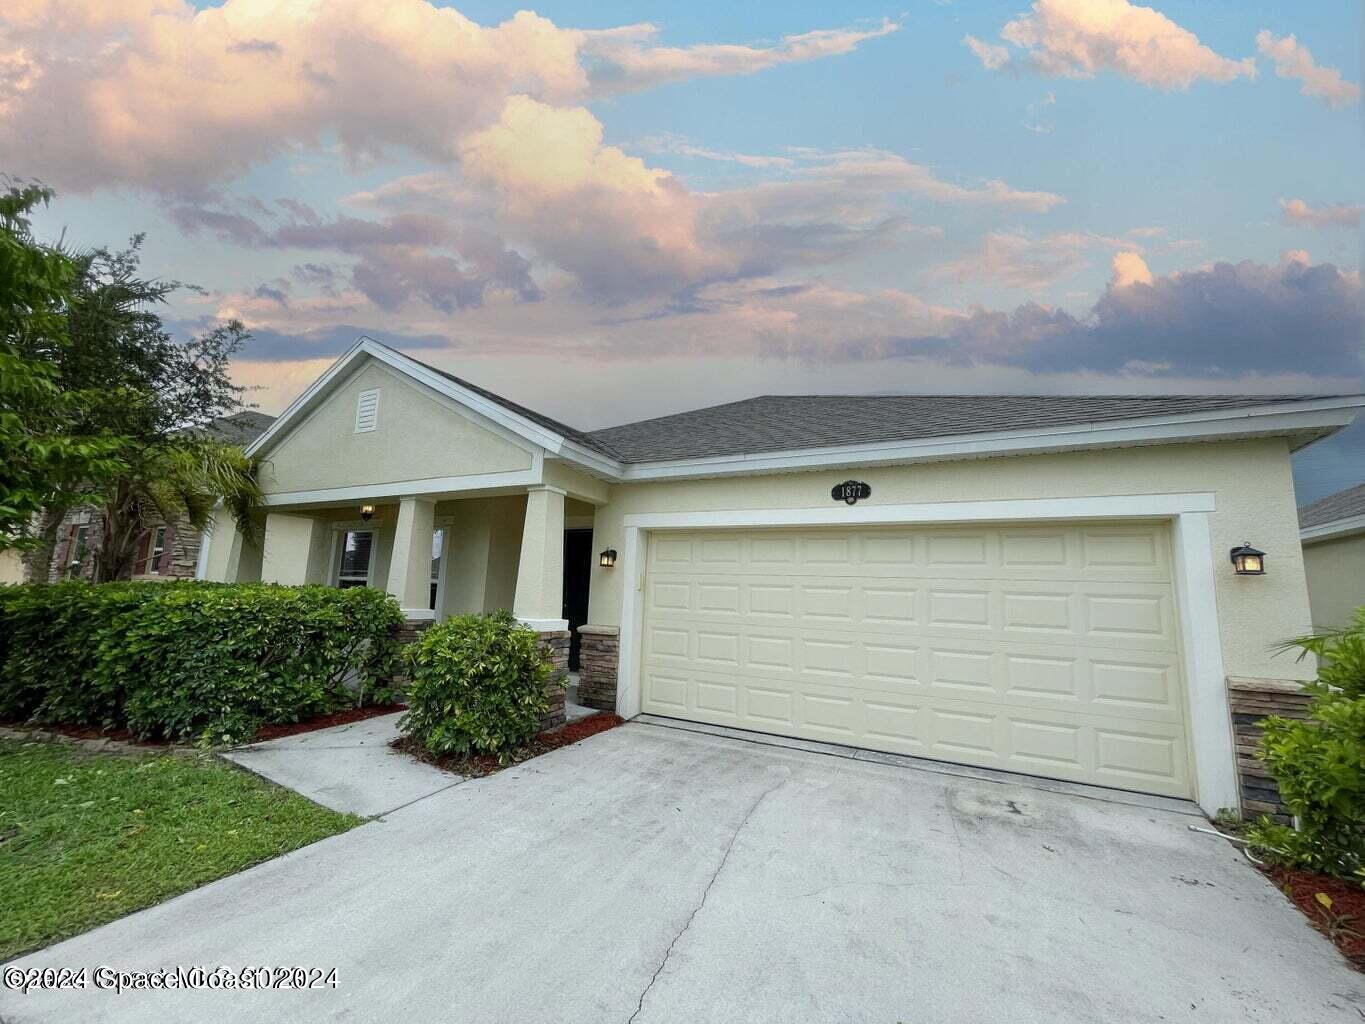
point(267, 732)
point(1344, 923)
point(274, 732)
point(480, 765)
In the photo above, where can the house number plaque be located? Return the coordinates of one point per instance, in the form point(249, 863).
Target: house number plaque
point(850, 492)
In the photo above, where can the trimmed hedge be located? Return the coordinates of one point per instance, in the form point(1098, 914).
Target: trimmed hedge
point(478, 686)
point(210, 662)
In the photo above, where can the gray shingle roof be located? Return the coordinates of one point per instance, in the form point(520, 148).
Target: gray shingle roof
point(1345, 504)
point(777, 422)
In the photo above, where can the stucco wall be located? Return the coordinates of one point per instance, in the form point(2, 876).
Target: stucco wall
point(1250, 479)
point(418, 437)
point(1336, 579)
point(11, 567)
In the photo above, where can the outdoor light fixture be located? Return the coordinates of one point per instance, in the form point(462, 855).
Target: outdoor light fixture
point(607, 558)
point(1247, 561)
point(367, 512)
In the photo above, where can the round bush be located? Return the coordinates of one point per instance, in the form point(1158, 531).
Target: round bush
point(478, 686)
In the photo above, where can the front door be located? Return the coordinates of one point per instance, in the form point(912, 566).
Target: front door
point(577, 573)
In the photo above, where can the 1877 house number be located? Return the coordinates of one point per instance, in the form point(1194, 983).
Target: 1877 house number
point(850, 492)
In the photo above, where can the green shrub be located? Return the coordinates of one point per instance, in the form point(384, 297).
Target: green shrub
point(191, 661)
point(1319, 764)
point(477, 686)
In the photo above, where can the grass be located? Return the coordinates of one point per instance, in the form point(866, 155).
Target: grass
point(86, 837)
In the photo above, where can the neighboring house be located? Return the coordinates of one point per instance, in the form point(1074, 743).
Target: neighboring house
point(166, 551)
point(1333, 535)
point(1036, 584)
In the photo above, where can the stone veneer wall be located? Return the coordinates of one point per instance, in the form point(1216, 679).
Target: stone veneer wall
point(409, 632)
point(1250, 701)
point(599, 654)
point(555, 644)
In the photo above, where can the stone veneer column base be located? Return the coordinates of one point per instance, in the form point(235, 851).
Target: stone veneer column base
point(1250, 701)
point(599, 653)
point(407, 633)
point(555, 644)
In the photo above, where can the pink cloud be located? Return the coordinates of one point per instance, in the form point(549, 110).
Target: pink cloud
point(1339, 215)
point(1079, 38)
point(1294, 60)
point(158, 94)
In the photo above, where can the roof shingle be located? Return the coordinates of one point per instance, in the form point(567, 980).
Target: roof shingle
point(1345, 504)
point(778, 422)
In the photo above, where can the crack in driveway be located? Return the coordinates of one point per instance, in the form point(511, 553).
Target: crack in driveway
point(705, 893)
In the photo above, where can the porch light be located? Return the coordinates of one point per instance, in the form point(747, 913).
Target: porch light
point(1247, 561)
point(607, 558)
point(367, 512)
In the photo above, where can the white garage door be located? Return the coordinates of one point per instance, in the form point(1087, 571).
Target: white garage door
point(1049, 650)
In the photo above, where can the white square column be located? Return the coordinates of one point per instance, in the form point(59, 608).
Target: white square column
point(410, 564)
point(540, 574)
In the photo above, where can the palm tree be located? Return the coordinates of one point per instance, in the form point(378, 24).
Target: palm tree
point(182, 480)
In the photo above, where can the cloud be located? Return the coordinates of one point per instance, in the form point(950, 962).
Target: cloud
point(1130, 269)
point(992, 56)
point(157, 94)
point(626, 59)
point(1022, 261)
point(1339, 215)
point(1226, 320)
point(402, 256)
point(1079, 38)
point(1293, 60)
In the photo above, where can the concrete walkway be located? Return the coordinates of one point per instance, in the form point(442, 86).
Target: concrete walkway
point(650, 874)
point(347, 768)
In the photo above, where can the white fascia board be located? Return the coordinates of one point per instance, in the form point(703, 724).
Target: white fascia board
point(1249, 421)
point(1332, 530)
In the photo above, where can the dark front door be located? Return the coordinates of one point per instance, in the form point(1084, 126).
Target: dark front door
point(577, 572)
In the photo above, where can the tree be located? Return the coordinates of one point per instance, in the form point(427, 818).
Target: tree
point(51, 452)
point(163, 396)
point(95, 346)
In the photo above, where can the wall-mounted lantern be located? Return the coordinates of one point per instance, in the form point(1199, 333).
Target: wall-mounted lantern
point(367, 512)
point(607, 558)
point(1247, 561)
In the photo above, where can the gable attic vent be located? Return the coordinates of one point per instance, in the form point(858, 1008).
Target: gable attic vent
point(367, 411)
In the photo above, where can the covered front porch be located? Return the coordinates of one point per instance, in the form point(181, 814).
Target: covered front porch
point(438, 556)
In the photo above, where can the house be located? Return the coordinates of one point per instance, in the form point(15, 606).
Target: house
point(1333, 534)
point(1041, 585)
point(166, 551)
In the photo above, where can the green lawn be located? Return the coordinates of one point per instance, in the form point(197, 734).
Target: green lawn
point(86, 838)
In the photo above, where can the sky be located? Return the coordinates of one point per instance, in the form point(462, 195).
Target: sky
point(611, 211)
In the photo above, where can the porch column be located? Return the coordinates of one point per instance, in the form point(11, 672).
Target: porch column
point(410, 565)
point(539, 601)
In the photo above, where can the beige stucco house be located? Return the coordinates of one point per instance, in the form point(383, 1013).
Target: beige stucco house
point(1039, 585)
point(1333, 534)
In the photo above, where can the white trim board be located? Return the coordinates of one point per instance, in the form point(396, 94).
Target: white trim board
point(1331, 531)
point(1210, 724)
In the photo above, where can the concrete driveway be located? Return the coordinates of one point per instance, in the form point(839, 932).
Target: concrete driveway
point(649, 874)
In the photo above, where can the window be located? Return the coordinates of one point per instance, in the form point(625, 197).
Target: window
point(356, 548)
point(438, 540)
point(155, 550)
point(367, 411)
point(76, 550)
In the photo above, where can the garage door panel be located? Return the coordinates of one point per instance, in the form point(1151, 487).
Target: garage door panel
point(1046, 649)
